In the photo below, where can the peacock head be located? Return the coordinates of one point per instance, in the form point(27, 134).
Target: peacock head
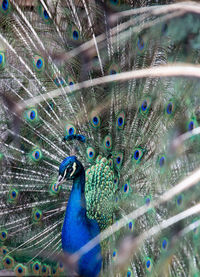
point(69, 169)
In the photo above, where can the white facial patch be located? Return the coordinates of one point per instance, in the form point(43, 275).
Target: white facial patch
point(65, 172)
point(74, 169)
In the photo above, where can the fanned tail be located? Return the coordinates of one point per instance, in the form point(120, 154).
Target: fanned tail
point(116, 83)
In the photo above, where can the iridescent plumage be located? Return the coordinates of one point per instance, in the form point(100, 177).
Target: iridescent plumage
point(114, 87)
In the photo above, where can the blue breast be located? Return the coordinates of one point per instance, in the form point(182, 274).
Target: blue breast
point(78, 230)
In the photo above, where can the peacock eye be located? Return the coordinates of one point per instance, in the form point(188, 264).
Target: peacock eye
point(113, 69)
point(110, 162)
point(38, 63)
point(90, 153)
point(191, 126)
point(140, 43)
point(74, 33)
point(70, 81)
point(13, 195)
point(145, 106)
point(95, 120)
point(170, 108)
point(179, 200)
point(118, 160)
point(5, 6)
point(8, 262)
point(162, 161)
point(148, 264)
point(53, 189)
point(36, 267)
point(164, 29)
point(114, 254)
point(129, 273)
point(60, 268)
point(3, 250)
point(115, 2)
point(59, 81)
point(70, 129)
point(131, 225)
point(126, 189)
point(3, 235)
point(164, 244)
point(116, 181)
point(36, 154)
point(108, 142)
point(36, 215)
point(120, 120)
point(192, 123)
point(137, 155)
point(2, 59)
point(44, 269)
point(31, 115)
point(20, 270)
point(44, 14)
point(148, 200)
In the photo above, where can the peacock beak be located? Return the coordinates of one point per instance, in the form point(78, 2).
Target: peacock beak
point(59, 181)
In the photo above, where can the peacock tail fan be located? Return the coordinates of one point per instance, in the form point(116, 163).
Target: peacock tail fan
point(116, 83)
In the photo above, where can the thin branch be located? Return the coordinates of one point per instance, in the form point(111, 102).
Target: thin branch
point(187, 7)
point(175, 70)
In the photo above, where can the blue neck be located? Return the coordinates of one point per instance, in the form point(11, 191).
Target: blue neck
point(77, 196)
point(75, 213)
point(78, 230)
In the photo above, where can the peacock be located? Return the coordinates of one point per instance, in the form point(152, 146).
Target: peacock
point(99, 145)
